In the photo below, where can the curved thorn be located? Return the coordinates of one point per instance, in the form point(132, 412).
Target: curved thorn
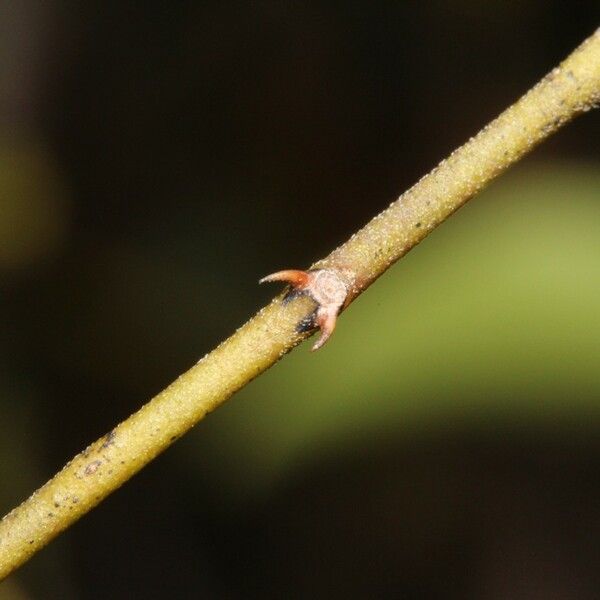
point(294, 277)
point(326, 321)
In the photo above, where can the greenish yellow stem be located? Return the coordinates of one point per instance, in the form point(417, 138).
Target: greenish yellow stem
point(571, 88)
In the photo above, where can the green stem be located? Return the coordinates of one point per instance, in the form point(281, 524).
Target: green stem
point(568, 90)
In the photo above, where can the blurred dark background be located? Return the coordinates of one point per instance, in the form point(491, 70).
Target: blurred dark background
point(157, 158)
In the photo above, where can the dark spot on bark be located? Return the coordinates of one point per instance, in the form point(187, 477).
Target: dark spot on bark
point(50, 514)
point(31, 541)
point(173, 438)
point(75, 500)
point(306, 324)
point(292, 294)
point(122, 462)
point(56, 504)
point(109, 439)
point(92, 467)
point(417, 225)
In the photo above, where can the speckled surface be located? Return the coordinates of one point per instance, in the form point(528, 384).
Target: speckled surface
point(571, 88)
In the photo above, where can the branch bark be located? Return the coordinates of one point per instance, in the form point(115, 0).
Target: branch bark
point(571, 88)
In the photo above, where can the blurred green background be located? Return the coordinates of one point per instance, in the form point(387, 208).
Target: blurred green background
point(156, 159)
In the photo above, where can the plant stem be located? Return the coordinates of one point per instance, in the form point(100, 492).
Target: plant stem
point(568, 90)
